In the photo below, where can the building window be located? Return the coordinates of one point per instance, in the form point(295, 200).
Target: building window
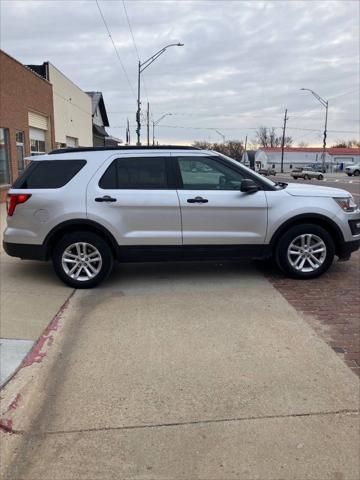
point(71, 142)
point(37, 141)
point(20, 150)
point(37, 147)
point(4, 157)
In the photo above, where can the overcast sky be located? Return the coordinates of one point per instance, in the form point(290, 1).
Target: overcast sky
point(242, 64)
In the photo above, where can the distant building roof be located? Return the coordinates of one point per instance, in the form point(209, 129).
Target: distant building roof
point(97, 100)
point(330, 151)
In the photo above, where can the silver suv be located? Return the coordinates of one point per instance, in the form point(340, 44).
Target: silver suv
point(86, 208)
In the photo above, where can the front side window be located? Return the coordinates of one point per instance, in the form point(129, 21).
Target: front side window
point(144, 173)
point(49, 174)
point(206, 173)
point(4, 157)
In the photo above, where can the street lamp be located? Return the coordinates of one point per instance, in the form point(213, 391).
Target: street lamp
point(141, 67)
point(219, 133)
point(156, 122)
point(324, 103)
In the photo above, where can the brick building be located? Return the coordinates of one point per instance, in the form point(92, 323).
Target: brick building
point(26, 118)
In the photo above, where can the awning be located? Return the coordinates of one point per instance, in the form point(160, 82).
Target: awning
point(100, 131)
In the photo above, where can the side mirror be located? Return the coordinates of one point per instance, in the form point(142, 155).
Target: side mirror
point(249, 186)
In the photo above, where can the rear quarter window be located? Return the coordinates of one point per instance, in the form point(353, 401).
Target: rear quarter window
point(49, 174)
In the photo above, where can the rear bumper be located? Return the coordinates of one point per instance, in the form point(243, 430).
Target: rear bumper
point(25, 251)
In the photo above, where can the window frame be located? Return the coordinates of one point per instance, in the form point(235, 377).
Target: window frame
point(7, 155)
point(22, 145)
point(170, 179)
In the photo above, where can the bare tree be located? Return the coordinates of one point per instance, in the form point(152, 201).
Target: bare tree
point(266, 137)
point(346, 144)
point(303, 144)
point(232, 148)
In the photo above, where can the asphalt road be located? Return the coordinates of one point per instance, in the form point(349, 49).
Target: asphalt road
point(351, 184)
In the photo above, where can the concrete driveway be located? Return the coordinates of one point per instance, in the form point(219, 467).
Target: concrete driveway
point(183, 371)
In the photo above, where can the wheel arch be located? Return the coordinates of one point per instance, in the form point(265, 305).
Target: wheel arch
point(317, 219)
point(84, 225)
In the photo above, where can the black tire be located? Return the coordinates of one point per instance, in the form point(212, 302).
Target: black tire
point(321, 177)
point(349, 174)
point(95, 241)
point(306, 177)
point(357, 173)
point(295, 178)
point(281, 252)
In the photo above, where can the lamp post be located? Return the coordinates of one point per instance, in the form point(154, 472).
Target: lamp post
point(219, 133)
point(141, 67)
point(324, 103)
point(156, 122)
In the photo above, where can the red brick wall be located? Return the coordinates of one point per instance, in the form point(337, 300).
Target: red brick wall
point(22, 90)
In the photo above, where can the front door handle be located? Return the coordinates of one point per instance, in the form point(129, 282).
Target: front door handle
point(105, 198)
point(197, 200)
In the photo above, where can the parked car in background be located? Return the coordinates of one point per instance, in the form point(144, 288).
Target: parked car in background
point(307, 174)
point(351, 170)
point(267, 171)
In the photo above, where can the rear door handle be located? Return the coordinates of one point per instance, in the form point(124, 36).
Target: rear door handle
point(105, 198)
point(197, 200)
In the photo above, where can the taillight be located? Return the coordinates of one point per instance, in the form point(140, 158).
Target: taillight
point(14, 199)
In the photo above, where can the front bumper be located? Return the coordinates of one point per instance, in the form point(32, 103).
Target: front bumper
point(25, 251)
point(345, 249)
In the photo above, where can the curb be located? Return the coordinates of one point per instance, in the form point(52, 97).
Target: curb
point(11, 394)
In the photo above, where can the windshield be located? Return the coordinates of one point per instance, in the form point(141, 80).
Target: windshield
point(255, 174)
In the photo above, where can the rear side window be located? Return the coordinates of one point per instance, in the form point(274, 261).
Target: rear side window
point(49, 174)
point(135, 173)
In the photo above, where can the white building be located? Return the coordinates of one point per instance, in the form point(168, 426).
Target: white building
point(335, 158)
point(72, 109)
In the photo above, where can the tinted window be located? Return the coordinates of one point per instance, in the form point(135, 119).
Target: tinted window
point(49, 173)
point(205, 173)
point(135, 173)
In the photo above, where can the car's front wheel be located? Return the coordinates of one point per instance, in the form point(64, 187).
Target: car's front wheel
point(82, 259)
point(357, 173)
point(305, 251)
point(320, 177)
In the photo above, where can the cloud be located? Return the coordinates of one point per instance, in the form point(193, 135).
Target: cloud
point(243, 62)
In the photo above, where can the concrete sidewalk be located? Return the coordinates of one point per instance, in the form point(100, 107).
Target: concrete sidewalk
point(30, 296)
point(186, 372)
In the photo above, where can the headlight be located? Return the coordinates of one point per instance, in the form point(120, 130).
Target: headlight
point(347, 204)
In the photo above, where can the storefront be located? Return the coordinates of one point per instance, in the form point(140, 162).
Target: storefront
point(27, 119)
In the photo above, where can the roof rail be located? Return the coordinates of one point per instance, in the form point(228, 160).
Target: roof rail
point(125, 147)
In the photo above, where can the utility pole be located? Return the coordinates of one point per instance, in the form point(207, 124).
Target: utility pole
point(138, 123)
point(286, 118)
point(324, 141)
point(148, 123)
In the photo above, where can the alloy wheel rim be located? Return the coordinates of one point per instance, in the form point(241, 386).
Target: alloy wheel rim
point(81, 261)
point(306, 253)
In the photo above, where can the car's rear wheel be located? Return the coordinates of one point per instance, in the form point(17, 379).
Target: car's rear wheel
point(321, 177)
point(357, 173)
point(82, 259)
point(305, 251)
point(349, 174)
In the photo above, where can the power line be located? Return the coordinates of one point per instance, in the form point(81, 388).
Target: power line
point(135, 46)
point(116, 50)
